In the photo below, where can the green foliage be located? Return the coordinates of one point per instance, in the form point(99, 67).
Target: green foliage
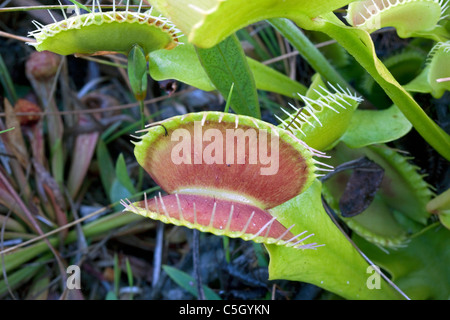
point(397, 231)
point(137, 67)
point(225, 65)
point(188, 283)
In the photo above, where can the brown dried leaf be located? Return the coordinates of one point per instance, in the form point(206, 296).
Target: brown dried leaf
point(361, 189)
point(15, 137)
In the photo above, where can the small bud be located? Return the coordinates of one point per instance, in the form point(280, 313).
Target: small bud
point(42, 66)
point(22, 106)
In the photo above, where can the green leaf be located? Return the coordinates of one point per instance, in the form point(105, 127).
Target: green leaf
point(208, 22)
point(106, 166)
point(182, 64)
point(7, 83)
point(188, 283)
point(21, 276)
point(375, 126)
point(117, 273)
point(226, 64)
point(420, 269)
point(137, 72)
point(336, 266)
point(122, 187)
point(122, 174)
point(269, 79)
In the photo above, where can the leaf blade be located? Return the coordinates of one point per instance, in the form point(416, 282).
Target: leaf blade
point(226, 64)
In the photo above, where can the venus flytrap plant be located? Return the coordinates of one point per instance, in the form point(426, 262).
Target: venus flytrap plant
point(131, 33)
point(325, 116)
point(101, 32)
point(213, 192)
point(229, 196)
point(212, 187)
point(331, 115)
point(433, 78)
point(411, 18)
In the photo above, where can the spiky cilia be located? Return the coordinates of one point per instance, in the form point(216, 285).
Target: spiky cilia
point(98, 32)
point(325, 116)
point(224, 195)
point(409, 17)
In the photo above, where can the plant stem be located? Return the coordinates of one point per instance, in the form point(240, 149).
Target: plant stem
point(308, 50)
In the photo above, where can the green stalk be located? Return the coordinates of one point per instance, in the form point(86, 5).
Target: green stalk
point(359, 44)
point(308, 50)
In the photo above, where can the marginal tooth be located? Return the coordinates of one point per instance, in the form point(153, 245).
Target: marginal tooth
point(236, 121)
point(133, 206)
point(212, 215)
point(268, 230)
point(297, 127)
point(248, 223)
point(157, 205)
point(204, 119)
point(87, 19)
point(338, 103)
point(164, 208)
point(378, 9)
point(301, 240)
point(62, 10)
point(295, 237)
point(321, 95)
point(311, 111)
point(145, 202)
point(262, 229)
point(323, 169)
point(284, 233)
point(135, 137)
point(125, 205)
point(304, 117)
point(227, 227)
point(293, 107)
point(36, 25)
point(362, 16)
point(282, 121)
point(51, 15)
point(323, 164)
point(180, 210)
